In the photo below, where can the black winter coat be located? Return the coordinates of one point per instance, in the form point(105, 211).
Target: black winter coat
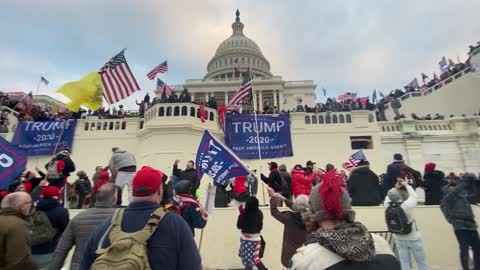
point(433, 182)
point(277, 183)
point(364, 187)
point(250, 222)
point(190, 175)
point(69, 165)
point(83, 186)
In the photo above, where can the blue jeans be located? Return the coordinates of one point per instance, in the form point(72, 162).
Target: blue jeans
point(414, 247)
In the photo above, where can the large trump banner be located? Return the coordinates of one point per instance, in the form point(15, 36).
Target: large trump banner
point(40, 137)
point(244, 135)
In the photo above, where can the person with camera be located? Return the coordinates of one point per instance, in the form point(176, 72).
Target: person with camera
point(400, 221)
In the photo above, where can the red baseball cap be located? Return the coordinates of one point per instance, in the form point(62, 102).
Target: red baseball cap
point(51, 192)
point(146, 181)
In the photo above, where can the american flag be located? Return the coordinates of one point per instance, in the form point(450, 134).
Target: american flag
point(117, 79)
point(161, 86)
point(162, 68)
point(44, 81)
point(245, 90)
point(443, 64)
point(24, 101)
point(353, 160)
point(347, 96)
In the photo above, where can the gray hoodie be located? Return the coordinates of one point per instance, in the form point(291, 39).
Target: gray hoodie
point(121, 159)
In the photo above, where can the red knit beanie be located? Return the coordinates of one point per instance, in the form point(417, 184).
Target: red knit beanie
point(51, 192)
point(430, 166)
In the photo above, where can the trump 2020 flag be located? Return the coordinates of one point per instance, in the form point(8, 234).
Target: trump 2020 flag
point(12, 162)
point(217, 161)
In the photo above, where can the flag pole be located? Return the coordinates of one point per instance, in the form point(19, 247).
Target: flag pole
point(206, 205)
point(38, 86)
point(258, 139)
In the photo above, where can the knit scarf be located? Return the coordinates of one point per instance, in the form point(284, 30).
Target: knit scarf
point(351, 241)
point(186, 199)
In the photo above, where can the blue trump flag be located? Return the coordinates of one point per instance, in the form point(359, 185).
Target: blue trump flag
point(12, 162)
point(217, 161)
point(244, 135)
point(40, 137)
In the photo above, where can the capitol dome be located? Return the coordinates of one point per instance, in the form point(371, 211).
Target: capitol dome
point(236, 54)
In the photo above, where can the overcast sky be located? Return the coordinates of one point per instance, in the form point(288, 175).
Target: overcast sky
point(341, 45)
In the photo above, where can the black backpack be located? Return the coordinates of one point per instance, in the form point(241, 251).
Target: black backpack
point(396, 219)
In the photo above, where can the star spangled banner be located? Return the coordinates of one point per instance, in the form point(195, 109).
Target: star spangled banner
point(217, 160)
point(117, 79)
point(245, 90)
point(162, 68)
point(353, 160)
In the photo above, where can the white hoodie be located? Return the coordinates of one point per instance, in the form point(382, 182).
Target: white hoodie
point(408, 206)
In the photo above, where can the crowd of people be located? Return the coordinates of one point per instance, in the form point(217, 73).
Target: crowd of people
point(320, 229)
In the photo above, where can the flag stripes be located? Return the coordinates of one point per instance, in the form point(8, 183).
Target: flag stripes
point(243, 92)
point(162, 68)
point(117, 79)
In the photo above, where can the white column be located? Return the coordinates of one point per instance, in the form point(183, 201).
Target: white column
point(280, 100)
point(275, 104)
point(260, 101)
point(206, 97)
point(226, 98)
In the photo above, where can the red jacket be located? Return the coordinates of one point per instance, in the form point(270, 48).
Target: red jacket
point(301, 184)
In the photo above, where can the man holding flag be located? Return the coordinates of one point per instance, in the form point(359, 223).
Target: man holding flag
point(218, 161)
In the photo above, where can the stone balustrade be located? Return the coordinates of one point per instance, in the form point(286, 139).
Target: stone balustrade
point(178, 110)
point(439, 85)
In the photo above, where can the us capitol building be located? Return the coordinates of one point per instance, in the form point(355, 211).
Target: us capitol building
point(232, 58)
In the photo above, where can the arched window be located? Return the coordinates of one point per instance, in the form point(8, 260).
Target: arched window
point(161, 111)
point(335, 119)
point(314, 119)
point(307, 119)
point(328, 119)
point(184, 110)
point(211, 116)
point(141, 124)
point(92, 126)
point(320, 119)
point(192, 111)
point(341, 119)
point(105, 126)
point(124, 125)
point(110, 126)
point(169, 111)
point(349, 118)
point(117, 125)
point(176, 111)
point(99, 126)
point(86, 126)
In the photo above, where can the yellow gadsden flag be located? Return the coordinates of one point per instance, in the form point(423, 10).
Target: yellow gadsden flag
point(87, 92)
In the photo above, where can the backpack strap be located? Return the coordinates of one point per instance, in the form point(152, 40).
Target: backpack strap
point(116, 233)
point(107, 232)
